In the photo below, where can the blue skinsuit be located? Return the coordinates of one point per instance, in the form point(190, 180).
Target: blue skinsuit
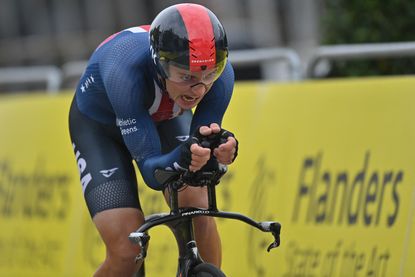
point(120, 87)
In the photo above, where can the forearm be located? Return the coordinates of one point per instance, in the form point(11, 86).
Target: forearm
point(148, 166)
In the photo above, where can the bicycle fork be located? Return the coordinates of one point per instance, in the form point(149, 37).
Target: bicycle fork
point(183, 232)
point(188, 253)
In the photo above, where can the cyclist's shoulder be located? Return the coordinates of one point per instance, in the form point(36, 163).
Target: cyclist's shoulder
point(129, 46)
point(124, 58)
point(136, 35)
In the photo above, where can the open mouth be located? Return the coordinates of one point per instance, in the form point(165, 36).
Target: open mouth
point(187, 98)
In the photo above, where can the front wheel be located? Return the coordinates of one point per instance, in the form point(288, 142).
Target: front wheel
point(206, 270)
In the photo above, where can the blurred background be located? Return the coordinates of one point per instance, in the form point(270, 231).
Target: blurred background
point(315, 137)
point(44, 44)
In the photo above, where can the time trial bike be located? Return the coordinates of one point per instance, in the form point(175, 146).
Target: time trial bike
point(179, 220)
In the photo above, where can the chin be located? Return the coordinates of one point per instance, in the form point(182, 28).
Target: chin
point(187, 106)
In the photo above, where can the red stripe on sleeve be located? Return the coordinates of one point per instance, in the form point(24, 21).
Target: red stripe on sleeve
point(145, 27)
point(107, 39)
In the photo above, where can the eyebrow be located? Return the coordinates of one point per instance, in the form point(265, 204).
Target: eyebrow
point(188, 73)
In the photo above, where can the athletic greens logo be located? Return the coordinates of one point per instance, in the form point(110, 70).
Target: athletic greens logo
point(124, 125)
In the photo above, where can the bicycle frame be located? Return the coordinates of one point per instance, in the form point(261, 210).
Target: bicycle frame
point(179, 220)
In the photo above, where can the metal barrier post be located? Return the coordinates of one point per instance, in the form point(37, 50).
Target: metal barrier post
point(50, 75)
point(266, 55)
point(359, 51)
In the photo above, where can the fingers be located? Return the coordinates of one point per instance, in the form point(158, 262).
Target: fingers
point(215, 128)
point(200, 156)
point(226, 151)
point(208, 130)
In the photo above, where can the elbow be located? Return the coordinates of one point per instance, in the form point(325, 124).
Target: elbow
point(152, 183)
point(147, 173)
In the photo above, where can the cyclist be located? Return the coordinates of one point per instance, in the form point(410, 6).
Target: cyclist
point(134, 102)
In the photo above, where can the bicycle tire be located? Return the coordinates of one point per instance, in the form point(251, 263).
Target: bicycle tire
point(206, 270)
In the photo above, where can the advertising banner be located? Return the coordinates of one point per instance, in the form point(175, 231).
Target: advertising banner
point(332, 161)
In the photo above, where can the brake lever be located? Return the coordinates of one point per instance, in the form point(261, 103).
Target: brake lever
point(275, 244)
point(275, 229)
point(142, 240)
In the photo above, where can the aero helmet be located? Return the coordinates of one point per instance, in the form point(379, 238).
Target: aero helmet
point(188, 36)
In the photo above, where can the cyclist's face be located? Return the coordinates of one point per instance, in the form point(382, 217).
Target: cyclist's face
point(188, 88)
point(187, 78)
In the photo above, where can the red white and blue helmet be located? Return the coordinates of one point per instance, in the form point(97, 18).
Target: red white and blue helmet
point(188, 36)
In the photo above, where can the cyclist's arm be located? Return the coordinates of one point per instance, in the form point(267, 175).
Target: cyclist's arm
point(214, 104)
point(126, 88)
point(142, 140)
point(210, 110)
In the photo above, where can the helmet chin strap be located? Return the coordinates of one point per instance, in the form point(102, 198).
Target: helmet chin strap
point(162, 82)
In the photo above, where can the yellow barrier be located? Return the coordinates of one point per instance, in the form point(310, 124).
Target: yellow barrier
point(332, 161)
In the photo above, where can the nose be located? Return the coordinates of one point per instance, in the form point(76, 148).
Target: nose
point(199, 89)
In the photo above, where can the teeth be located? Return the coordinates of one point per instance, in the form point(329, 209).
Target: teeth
point(188, 98)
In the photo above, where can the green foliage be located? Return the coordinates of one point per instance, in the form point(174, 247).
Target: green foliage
point(369, 21)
